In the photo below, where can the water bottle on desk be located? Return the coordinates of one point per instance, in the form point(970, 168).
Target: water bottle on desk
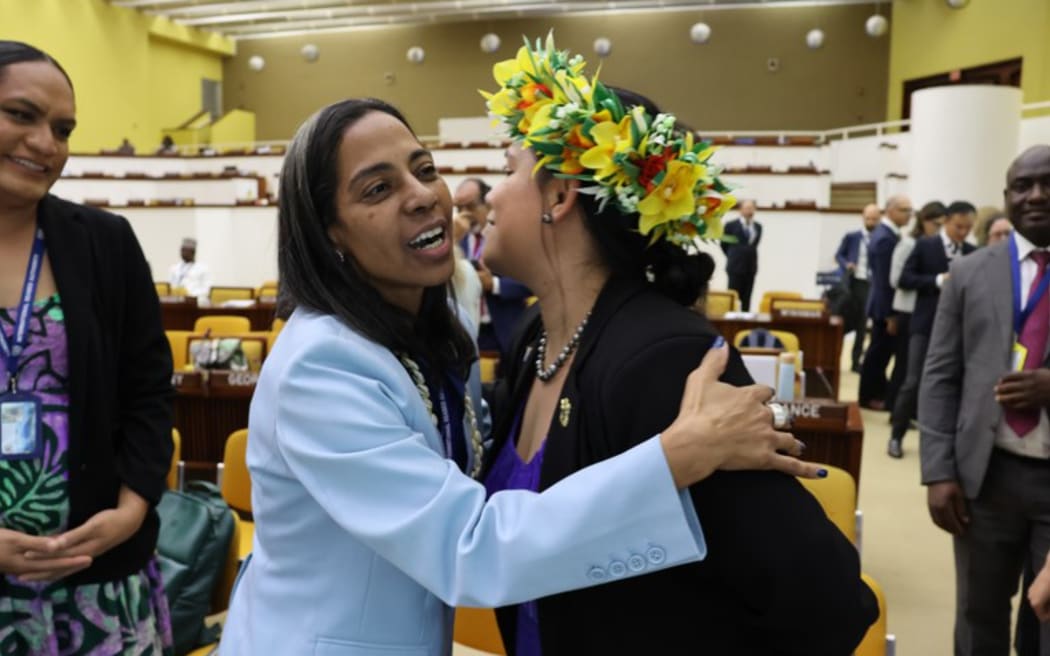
point(786, 377)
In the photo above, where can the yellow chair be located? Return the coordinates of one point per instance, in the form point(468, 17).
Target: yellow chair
point(175, 471)
point(267, 290)
point(476, 628)
point(788, 339)
point(178, 341)
point(220, 598)
point(163, 288)
point(236, 484)
point(254, 345)
point(806, 304)
point(277, 325)
point(877, 642)
point(219, 295)
point(837, 495)
point(179, 291)
point(721, 302)
point(767, 299)
point(488, 369)
point(222, 324)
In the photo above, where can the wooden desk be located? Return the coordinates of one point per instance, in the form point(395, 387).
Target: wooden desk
point(819, 339)
point(181, 314)
point(208, 407)
point(833, 432)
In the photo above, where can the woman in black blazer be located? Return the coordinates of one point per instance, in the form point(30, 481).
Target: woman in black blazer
point(78, 528)
point(779, 577)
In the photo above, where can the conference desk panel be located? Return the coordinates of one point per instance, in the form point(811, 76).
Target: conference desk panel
point(181, 315)
point(820, 341)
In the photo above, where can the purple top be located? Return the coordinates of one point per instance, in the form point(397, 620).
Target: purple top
point(510, 472)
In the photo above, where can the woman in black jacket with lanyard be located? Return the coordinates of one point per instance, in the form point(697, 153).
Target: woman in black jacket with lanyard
point(601, 195)
point(85, 402)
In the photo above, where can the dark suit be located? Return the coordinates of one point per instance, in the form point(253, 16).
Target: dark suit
point(927, 261)
point(856, 318)
point(504, 309)
point(119, 374)
point(742, 259)
point(778, 578)
point(873, 383)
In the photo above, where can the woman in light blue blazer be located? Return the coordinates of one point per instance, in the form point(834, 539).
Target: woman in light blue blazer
point(364, 431)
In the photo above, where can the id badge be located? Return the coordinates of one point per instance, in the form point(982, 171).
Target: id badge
point(21, 428)
point(1017, 357)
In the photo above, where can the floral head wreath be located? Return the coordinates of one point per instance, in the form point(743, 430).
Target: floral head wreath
point(579, 129)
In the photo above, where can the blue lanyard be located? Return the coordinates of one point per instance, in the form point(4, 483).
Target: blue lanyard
point(14, 345)
point(1020, 316)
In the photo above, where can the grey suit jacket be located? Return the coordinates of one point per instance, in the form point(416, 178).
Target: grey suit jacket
point(969, 352)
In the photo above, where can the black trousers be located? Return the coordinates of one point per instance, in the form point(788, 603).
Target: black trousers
point(907, 402)
point(873, 381)
point(858, 292)
point(900, 361)
point(743, 283)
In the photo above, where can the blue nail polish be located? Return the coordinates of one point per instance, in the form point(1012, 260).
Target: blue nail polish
point(822, 473)
point(719, 342)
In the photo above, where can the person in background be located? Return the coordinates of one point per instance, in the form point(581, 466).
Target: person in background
point(465, 282)
point(601, 367)
point(742, 254)
point(365, 430)
point(852, 258)
point(78, 527)
point(875, 391)
point(167, 146)
point(992, 228)
point(125, 147)
point(924, 273)
point(188, 273)
point(983, 428)
point(504, 298)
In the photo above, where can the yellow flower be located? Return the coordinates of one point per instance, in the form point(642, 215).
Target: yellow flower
point(714, 226)
point(502, 103)
point(609, 138)
point(503, 71)
point(672, 199)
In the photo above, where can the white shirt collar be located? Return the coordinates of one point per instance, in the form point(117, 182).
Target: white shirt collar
point(891, 225)
point(945, 239)
point(1024, 247)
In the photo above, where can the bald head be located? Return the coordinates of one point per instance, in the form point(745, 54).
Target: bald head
point(899, 210)
point(871, 215)
point(1027, 194)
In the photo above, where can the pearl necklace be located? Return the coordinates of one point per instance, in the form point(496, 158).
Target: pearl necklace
point(545, 374)
point(468, 409)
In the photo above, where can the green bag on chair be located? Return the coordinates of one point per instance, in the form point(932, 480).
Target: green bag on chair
point(196, 526)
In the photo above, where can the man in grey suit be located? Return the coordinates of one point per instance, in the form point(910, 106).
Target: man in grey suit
point(984, 432)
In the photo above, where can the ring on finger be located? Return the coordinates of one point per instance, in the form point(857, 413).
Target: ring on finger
point(781, 418)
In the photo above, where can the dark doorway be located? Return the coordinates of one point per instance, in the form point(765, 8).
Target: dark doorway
point(1003, 73)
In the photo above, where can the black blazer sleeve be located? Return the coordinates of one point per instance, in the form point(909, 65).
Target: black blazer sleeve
point(771, 548)
point(144, 379)
point(916, 272)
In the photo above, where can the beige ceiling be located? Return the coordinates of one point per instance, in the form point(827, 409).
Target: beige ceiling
point(247, 19)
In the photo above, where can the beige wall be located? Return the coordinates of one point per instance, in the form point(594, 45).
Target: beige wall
point(721, 85)
point(930, 38)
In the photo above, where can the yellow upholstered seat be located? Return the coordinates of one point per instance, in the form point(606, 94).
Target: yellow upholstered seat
point(767, 299)
point(163, 288)
point(219, 295)
point(720, 302)
point(178, 340)
point(837, 495)
point(476, 628)
point(805, 304)
point(877, 641)
point(222, 324)
point(236, 484)
point(175, 470)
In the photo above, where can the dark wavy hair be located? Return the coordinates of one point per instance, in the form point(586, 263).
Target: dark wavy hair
point(668, 268)
point(16, 52)
point(313, 276)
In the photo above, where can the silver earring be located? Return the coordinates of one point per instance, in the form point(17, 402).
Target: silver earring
point(547, 218)
point(340, 255)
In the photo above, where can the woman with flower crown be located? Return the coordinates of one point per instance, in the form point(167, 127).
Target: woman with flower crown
point(601, 204)
point(366, 432)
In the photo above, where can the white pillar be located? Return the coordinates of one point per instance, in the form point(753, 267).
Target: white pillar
point(963, 139)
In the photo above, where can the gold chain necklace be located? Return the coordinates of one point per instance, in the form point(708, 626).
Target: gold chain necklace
point(468, 407)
